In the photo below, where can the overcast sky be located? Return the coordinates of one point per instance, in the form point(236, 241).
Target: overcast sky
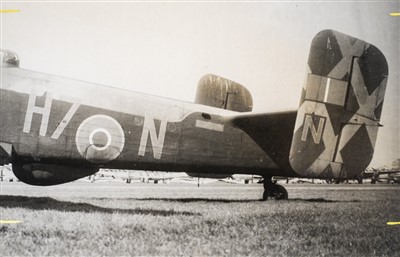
point(164, 48)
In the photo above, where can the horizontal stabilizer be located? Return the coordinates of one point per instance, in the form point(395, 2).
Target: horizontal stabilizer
point(272, 132)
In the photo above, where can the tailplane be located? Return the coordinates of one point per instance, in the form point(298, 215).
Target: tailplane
point(338, 118)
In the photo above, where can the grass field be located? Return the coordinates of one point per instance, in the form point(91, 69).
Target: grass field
point(111, 219)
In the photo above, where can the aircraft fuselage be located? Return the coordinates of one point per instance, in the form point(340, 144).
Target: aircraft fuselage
point(57, 120)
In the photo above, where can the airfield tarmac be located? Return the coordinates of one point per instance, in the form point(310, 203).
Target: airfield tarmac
point(217, 219)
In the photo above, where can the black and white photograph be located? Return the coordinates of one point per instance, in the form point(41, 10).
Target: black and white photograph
point(199, 128)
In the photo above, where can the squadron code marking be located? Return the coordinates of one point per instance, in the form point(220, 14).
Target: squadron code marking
point(98, 152)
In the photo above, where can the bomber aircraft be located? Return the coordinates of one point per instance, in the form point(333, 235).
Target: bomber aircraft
point(54, 130)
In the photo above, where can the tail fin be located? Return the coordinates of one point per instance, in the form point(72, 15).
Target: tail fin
point(338, 118)
point(222, 93)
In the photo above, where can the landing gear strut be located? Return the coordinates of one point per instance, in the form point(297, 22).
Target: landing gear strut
point(273, 191)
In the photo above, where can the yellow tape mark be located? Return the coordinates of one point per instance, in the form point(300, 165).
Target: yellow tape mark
point(395, 14)
point(10, 221)
point(393, 223)
point(5, 11)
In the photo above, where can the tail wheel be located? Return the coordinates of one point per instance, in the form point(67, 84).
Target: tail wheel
point(276, 192)
point(280, 193)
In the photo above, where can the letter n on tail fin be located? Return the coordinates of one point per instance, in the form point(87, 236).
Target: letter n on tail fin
point(341, 104)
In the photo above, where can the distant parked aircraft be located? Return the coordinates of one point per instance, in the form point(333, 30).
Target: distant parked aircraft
point(129, 176)
point(54, 130)
point(393, 176)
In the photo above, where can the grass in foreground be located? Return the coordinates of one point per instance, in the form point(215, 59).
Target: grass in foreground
point(120, 220)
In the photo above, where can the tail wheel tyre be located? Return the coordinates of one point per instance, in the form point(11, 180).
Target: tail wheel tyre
point(276, 192)
point(280, 193)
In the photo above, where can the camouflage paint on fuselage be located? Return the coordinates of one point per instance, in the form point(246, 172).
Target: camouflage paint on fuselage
point(56, 130)
point(56, 120)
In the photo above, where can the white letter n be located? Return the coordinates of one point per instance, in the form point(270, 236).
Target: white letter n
point(157, 142)
point(309, 125)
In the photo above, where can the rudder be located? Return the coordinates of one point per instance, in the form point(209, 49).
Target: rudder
point(338, 118)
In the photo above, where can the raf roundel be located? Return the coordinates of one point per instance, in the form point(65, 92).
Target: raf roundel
point(96, 143)
point(100, 139)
